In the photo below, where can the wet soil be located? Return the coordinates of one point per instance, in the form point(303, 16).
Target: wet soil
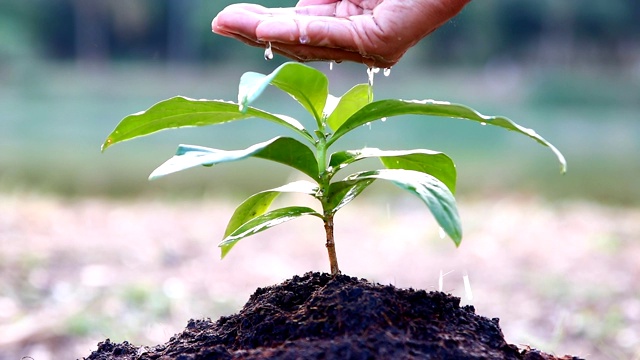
point(316, 316)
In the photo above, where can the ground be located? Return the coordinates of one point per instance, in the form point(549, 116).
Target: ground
point(318, 316)
point(561, 276)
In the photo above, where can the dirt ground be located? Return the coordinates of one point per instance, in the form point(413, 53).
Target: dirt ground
point(318, 316)
point(562, 277)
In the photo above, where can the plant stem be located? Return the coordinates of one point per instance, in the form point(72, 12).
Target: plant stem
point(324, 182)
point(331, 245)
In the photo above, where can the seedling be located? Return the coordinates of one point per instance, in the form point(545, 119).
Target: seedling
point(428, 174)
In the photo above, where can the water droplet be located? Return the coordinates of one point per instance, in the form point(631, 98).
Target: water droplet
point(467, 287)
point(483, 123)
point(268, 52)
point(369, 125)
point(441, 233)
point(330, 65)
point(371, 73)
point(304, 38)
point(386, 71)
point(383, 119)
point(241, 107)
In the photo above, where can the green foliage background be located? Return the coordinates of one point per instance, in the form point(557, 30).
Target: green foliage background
point(69, 72)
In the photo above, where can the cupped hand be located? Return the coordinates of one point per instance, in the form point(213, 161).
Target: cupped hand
point(373, 32)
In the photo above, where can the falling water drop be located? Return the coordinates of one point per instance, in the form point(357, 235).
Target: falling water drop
point(268, 52)
point(370, 75)
point(386, 71)
point(441, 233)
point(467, 286)
point(383, 119)
point(330, 65)
point(369, 125)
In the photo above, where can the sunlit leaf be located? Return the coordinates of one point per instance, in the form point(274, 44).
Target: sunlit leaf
point(264, 222)
point(388, 108)
point(432, 191)
point(307, 85)
point(434, 163)
point(284, 150)
point(179, 112)
point(352, 101)
point(259, 203)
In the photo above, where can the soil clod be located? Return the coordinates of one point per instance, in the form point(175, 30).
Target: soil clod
point(317, 316)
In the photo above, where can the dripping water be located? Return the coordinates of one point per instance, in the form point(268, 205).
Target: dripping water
point(303, 38)
point(268, 52)
point(386, 71)
point(371, 72)
point(467, 286)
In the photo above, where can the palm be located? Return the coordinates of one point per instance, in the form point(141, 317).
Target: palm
point(374, 32)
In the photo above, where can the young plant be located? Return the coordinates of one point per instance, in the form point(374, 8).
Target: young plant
point(428, 174)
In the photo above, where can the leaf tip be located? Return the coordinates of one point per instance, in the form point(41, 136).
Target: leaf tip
point(563, 166)
point(106, 144)
point(457, 241)
point(224, 250)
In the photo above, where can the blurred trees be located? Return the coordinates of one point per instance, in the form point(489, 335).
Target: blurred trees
point(565, 31)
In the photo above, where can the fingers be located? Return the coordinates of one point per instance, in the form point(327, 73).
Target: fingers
point(315, 2)
point(310, 53)
point(308, 33)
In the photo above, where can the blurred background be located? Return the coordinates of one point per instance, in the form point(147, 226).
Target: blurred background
point(91, 250)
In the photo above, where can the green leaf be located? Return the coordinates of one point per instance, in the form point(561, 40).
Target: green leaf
point(434, 163)
point(179, 112)
point(259, 203)
point(264, 222)
point(284, 150)
point(307, 85)
point(388, 108)
point(432, 191)
point(343, 192)
point(352, 101)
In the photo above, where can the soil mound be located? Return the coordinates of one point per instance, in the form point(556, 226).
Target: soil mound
point(317, 316)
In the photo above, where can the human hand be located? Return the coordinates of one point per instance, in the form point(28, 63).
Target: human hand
point(374, 32)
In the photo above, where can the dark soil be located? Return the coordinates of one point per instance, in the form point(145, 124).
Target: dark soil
point(319, 317)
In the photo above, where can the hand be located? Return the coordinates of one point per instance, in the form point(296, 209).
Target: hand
point(373, 32)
